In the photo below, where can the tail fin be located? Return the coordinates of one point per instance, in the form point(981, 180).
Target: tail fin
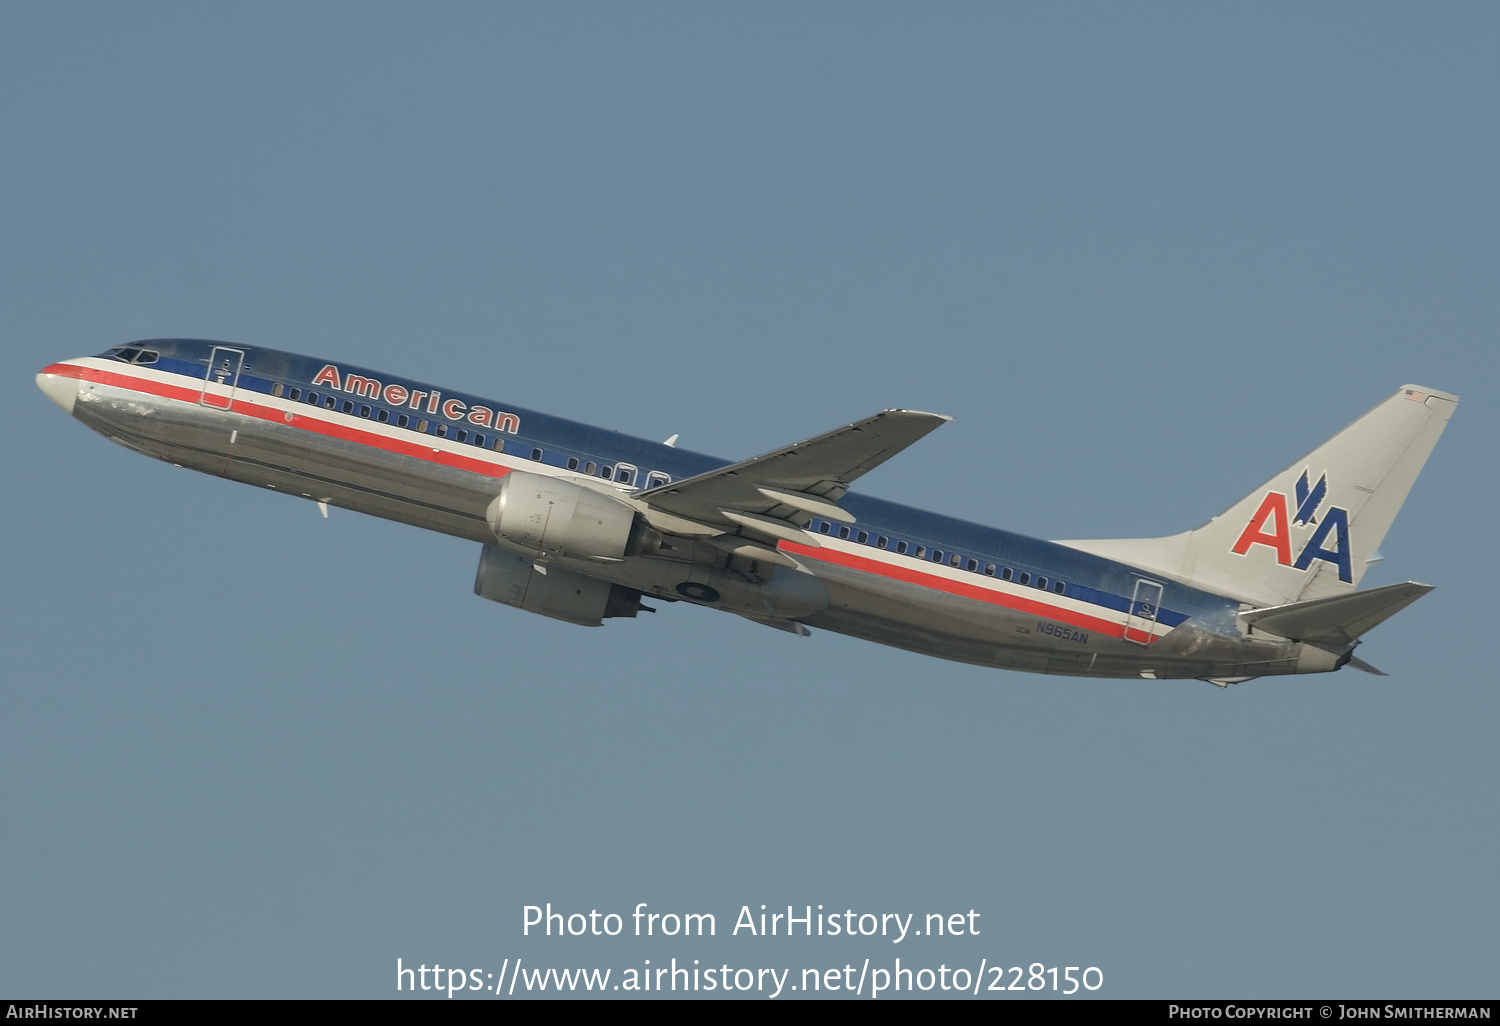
point(1312, 530)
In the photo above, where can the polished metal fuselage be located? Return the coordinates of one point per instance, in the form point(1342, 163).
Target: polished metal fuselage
point(453, 501)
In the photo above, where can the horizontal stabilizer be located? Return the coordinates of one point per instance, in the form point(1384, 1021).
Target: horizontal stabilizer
point(1338, 620)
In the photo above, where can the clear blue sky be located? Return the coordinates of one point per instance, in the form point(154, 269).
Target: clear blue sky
point(1145, 255)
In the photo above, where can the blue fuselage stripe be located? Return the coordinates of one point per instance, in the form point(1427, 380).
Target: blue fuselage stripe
point(1109, 582)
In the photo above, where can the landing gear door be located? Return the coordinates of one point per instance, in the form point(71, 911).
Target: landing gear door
point(1145, 605)
point(223, 377)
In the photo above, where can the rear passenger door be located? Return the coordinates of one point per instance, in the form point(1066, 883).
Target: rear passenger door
point(1145, 607)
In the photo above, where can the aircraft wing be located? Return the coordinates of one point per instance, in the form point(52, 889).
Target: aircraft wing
point(771, 493)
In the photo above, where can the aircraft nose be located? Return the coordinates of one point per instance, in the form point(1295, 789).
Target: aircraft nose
point(60, 389)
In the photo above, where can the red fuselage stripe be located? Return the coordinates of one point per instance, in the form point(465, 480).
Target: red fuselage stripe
point(970, 591)
point(314, 424)
point(431, 455)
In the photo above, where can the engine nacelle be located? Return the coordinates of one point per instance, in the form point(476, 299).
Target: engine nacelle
point(513, 580)
point(547, 517)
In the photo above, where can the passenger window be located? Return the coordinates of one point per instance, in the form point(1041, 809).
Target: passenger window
point(364, 411)
point(1058, 587)
point(442, 430)
point(295, 395)
point(881, 542)
point(348, 407)
point(276, 389)
point(463, 436)
point(499, 445)
point(536, 454)
point(1005, 574)
point(955, 559)
point(989, 569)
point(1041, 582)
point(1025, 578)
point(624, 475)
point(901, 548)
point(972, 566)
point(937, 555)
point(572, 462)
point(329, 402)
point(843, 532)
point(384, 416)
point(863, 538)
point(422, 426)
point(402, 420)
point(921, 552)
point(479, 440)
point(605, 471)
point(657, 479)
point(824, 527)
point(312, 398)
point(588, 468)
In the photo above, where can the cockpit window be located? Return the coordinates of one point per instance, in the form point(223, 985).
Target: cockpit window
point(134, 354)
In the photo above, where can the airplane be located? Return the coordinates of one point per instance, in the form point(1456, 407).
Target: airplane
point(583, 524)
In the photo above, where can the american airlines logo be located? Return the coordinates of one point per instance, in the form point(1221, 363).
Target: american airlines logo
point(1272, 526)
point(433, 402)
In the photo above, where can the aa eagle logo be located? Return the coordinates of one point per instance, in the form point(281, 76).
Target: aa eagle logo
point(1272, 527)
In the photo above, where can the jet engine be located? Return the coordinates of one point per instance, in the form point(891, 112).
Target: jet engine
point(542, 516)
point(514, 580)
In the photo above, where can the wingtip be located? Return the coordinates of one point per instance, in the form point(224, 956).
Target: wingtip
point(921, 413)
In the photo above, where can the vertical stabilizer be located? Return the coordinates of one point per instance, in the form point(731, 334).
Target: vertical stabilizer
point(1311, 530)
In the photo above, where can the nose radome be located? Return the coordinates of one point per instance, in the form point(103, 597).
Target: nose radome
point(60, 389)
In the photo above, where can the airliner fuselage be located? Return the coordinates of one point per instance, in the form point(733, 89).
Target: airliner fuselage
point(583, 523)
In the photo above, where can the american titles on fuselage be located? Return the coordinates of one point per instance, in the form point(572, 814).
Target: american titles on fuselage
point(432, 401)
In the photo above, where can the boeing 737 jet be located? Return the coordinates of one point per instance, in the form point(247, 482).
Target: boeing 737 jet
point(582, 524)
